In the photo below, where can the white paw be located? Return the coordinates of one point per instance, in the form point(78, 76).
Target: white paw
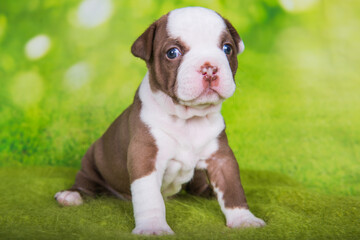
point(243, 218)
point(68, 198)
point(153, 227)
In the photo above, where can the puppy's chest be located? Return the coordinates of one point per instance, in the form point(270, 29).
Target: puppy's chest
point(183, 146)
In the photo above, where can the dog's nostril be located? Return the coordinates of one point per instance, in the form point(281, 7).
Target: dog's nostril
point(208, 69)
point(214, 70)
point(204, 70)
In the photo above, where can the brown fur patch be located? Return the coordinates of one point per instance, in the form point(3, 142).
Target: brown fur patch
point(123, 154)
point(231, 37)
point(223, 172)
point(142, 47)
point(162, 71)
point(199, 185)
point(226, 38)
point(234, 34)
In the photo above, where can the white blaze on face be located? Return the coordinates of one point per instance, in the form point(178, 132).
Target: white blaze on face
point(200, 30)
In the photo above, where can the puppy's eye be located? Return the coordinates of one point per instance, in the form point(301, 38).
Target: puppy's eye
point(227, 49)
point(173, 53)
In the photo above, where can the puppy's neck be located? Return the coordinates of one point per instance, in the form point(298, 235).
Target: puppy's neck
point(159, 101)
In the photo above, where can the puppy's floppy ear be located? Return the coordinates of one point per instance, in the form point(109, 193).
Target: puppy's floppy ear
point(238, 41)
point(142, 47)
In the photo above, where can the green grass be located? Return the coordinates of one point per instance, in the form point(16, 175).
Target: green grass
point(293, 122)
point(291, 211)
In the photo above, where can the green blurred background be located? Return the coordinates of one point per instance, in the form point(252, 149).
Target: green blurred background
point(296, 109)
point(66, 72)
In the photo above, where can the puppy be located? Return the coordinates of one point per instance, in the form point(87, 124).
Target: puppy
point(173, 134)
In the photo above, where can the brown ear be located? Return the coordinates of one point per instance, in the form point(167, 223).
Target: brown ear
point(238, 41)
point(142, 47)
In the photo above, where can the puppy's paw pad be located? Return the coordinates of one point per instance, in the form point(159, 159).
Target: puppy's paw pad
point(69, 198)
point(245, 219)
point(153, 229)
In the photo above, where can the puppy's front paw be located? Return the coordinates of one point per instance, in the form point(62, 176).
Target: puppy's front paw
point(69, 198)
point(153, 227)
point(243, 218)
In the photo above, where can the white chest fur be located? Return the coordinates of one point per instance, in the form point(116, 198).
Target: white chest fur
point(185, 137)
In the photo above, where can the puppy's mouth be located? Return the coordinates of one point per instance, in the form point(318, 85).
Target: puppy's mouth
point(208, 92)
point(207, 98)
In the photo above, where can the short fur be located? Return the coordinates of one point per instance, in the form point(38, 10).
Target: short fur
point(173, 133)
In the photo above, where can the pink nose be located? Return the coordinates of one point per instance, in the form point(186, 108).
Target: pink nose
point(209, 75)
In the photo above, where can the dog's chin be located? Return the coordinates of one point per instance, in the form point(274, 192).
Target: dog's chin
point(208, 98)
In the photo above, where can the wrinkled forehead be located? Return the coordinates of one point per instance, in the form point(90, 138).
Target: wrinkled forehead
point(195, 26)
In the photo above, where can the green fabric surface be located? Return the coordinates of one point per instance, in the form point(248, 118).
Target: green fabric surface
point(28, 211)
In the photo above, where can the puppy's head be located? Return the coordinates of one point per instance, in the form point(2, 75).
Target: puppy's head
point(191, 56)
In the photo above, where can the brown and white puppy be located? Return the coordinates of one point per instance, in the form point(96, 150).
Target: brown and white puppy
point(173, 133)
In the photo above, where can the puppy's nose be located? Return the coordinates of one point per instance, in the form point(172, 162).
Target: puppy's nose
point(209, 75)
point(208, 69)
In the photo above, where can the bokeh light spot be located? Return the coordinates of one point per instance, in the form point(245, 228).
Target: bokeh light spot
point(92, 13)
point(298, 5)
point(27, 89)
point(77, 75)
point(37, 47)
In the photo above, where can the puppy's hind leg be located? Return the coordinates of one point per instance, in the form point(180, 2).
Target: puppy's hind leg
point(199, 185)
point(86, 182)
point(83, 185)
